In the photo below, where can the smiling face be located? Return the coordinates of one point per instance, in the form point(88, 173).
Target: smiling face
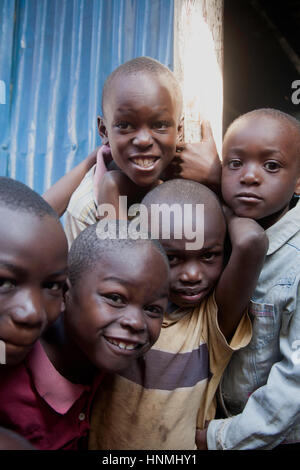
point(260, 168)
point(141, 124)
point(33, 266)
point(194, 273)
point(114, 313)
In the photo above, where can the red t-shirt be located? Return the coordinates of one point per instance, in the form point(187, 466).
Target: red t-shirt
point(43, 406)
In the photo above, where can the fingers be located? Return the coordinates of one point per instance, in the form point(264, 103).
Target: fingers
point(180, 147)
point(206, 130)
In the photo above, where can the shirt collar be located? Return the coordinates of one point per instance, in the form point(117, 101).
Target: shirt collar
point(55, 389)
point(286, 227)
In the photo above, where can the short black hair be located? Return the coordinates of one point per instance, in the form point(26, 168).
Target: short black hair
point(19, 197)
point(181, 191)
point(88, 248)
point(275, 114)
point(145, 65)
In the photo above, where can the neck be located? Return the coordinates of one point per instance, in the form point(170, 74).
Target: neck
point(65, 355)
point(267, 222)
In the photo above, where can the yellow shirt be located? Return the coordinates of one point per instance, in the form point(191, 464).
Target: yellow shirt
point(160, 400)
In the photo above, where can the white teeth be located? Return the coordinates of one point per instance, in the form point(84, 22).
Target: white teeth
point(122, 345)
point(144, 162)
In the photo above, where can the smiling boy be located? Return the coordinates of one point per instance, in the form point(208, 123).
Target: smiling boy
point(114, 310)
point(163, 398)
point(141, 126)
point(33, 268)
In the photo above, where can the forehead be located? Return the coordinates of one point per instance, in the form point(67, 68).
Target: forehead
point(25, 236)
point(263, 130)
point(137, 265)
point(132, 92)
point(213, 228)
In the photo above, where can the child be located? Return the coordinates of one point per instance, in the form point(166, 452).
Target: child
point(164, 397)
point(140, 127)
point(260, 389)
point(114, 311)
point(33, 269)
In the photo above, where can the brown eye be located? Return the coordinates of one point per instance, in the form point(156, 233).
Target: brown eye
point(272, 166)
point(6, 284)
point(154, 311)
point(114, 298)
point(234, 164)
point(173, 260)
point(124, 125)
point(208, 256)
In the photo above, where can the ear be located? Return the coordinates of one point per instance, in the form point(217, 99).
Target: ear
point(66, 291)
point(102, 130)
point(180, 131)
point(297, 187)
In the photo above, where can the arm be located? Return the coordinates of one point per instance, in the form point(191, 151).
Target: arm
point(198, 161)
point(113, 185)
point(59, 194)
point(273, 410)
point(201, 439)
point(238, 280)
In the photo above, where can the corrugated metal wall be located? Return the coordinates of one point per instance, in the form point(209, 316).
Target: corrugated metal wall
point(55, 55)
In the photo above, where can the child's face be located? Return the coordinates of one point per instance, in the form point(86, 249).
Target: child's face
point(194, 273)
point(141, 124)
point(33, 266)
point(114, 313)
point(260, 169)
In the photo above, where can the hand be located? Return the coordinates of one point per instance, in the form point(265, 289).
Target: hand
point(198, 161)
point(245, 233)
point(201, 438)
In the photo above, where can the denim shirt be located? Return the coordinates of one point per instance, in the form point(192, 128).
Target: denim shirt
point(260, 389)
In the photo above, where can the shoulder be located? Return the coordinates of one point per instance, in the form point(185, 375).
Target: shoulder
point(83, 196)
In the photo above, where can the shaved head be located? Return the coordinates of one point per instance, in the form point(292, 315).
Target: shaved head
point(142, 65)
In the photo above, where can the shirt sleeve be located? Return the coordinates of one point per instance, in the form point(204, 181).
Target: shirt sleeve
point(220, 352)
point(273, 409)
point(73, 227)
point(82, 209)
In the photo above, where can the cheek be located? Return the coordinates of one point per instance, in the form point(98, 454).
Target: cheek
point(174, 275)
point(54, 307)
point(154, 328)
point(213, 273)
point(228, 181)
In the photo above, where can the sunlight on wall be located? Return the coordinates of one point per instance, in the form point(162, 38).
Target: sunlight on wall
point(200, 74)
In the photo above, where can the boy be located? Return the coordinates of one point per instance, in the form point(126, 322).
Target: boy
point(165, 397)
point(140, 127)
point(33, 269)
point(261, 172)
point(114, 310)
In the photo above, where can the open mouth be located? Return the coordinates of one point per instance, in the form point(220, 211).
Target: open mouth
point(123, 345)
point(145, 162)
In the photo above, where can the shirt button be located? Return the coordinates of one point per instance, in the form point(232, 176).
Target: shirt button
point(81, 416)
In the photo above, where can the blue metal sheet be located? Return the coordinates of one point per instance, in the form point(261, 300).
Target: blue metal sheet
point(63, 51)
point(7, 9)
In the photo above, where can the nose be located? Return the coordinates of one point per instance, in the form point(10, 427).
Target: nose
point(250, 175)
point(143, 138)
point(29, 311)
point(191, 273)
point(134, 319)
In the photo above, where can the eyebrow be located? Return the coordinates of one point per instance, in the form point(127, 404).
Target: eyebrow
point(160, 294)
point(119, 280)
point(21, 271)
point(12, 267)
point(266, 150)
